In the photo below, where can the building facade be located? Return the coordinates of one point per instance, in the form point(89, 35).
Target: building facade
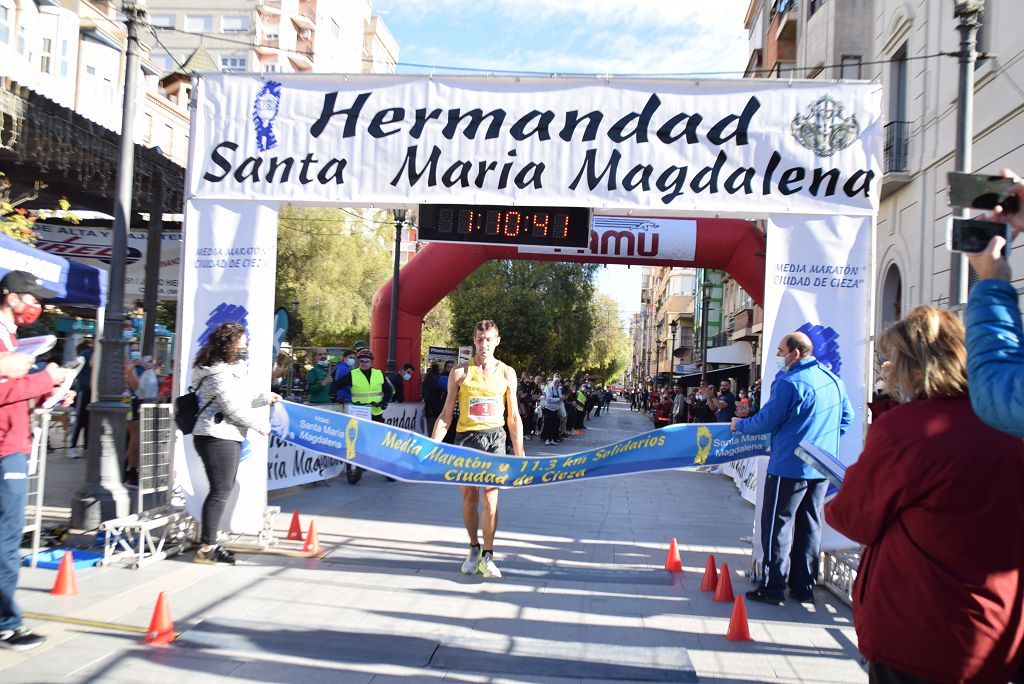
point(73, 53)
point(273, 36)
point(920, 91)
point(910, 48)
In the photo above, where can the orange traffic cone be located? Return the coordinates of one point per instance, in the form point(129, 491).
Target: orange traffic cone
point(710, 581)
point(723, 592)
point(672, 561)
point(295, 531)
point(66, 584)
point(739, 630)
point(312, 540)
point(161, 629)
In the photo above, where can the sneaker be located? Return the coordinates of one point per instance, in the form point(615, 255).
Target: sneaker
point(213, 555)
point(759, 596)
point(487, 567)
point(469, 566)
point(548, 442)
point(20, 639)
point(802, 597)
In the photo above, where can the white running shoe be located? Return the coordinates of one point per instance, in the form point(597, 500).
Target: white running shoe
point(487, 567)
point(469, 566)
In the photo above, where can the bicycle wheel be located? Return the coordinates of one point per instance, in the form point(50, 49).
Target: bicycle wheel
point(353, 473)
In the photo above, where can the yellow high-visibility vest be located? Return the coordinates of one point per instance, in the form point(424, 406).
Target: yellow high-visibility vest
point(368, 391)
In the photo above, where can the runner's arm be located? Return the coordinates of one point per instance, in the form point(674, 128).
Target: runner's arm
point(515, 421)
point(445, 419)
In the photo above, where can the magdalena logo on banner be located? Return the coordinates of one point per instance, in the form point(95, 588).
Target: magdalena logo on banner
point(470, 140)
point(825, 129)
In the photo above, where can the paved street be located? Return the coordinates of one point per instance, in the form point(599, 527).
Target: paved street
point(584, 596)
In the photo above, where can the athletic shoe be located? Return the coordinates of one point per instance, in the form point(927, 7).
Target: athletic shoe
point(759, 596)
point(469, 566)
point(487, 567)
point(548, 442)
point(20, 639)
point(213, 555)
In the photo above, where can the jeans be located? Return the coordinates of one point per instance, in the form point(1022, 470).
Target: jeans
point(791, 534)
point(220, 459)
point(13, 490)
point(82, 417)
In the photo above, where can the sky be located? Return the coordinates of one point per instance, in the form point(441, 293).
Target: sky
point(685, 38)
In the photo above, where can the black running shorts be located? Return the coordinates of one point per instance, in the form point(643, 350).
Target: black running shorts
point(491, 441)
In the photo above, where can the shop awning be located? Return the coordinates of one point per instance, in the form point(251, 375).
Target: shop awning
point(76, 284)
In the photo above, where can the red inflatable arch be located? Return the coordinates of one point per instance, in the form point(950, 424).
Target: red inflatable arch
point(733, 245)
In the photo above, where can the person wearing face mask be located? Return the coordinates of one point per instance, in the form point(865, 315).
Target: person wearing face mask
point(220, 374)
point(807, 402)
point(343, 395)
point(22, 294)
point(318, 379)
point(398, 381)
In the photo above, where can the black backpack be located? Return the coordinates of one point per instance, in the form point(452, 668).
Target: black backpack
point(187, 409)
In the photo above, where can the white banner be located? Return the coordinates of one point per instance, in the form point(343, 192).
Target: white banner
point(91, 245)
point(752, 145)
point(228, 265)
point(818, 281)
point(289, 465)
point(637, 237)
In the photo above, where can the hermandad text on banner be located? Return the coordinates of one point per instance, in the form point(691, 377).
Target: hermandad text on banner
point(412, 457)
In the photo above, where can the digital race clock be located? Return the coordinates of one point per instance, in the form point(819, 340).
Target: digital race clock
point(539, 226)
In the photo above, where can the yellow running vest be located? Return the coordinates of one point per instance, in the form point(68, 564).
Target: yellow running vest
point(368, 391)
point(482, 399)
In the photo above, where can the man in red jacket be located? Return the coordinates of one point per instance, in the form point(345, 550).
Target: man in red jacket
point(21, 304)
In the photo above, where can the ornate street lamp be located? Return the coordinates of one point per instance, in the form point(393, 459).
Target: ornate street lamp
point(673, 326)
point(393, 319)
point(967, 12)
point(102, 496)
point(707, 289)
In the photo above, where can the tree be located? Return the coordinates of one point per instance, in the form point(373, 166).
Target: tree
point(437, 327)
point(542, 310)
point(331, 261)
point(610, 348)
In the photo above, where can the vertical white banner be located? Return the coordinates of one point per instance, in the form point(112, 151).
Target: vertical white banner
point(228, 269)
point(818, 281)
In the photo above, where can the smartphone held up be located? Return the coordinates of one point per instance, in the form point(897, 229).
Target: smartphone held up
point(979, 191)
point(972, 235)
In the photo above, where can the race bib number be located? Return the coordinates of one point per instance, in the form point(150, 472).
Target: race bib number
point(483, 408)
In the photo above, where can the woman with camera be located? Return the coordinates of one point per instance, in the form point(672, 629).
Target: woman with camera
point(935, 497)
point(221, 377)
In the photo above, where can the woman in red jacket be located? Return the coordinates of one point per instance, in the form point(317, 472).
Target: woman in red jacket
point(936, 497)
point(663, 411)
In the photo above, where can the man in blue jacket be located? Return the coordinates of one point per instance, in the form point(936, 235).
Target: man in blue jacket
point(995, 338)
point(808, 402)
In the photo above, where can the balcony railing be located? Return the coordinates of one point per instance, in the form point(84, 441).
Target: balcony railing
point(897, 143)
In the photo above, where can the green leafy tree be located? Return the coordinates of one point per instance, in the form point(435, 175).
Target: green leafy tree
point(331, 262)
point(437, 327)
point(542, 309)
point(610, 349)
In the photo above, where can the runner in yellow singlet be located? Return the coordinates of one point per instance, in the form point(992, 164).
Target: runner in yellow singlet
point(486, 391)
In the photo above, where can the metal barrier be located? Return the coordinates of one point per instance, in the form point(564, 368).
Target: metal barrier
point(158, 529)
point(40, 422)
point(838, 572)
point(156, 433)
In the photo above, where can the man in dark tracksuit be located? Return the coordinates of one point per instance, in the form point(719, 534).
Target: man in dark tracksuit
point(808, 402)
